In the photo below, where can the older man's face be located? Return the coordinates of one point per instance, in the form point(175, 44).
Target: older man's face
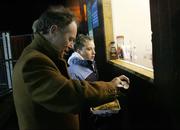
point(64, 39)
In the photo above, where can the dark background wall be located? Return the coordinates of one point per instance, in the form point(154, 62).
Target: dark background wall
point(17, 16)
point(166, 26)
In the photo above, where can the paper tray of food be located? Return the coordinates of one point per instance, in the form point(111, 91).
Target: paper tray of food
point(108, 108)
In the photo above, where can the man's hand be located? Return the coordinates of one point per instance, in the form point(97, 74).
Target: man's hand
point(121, 81)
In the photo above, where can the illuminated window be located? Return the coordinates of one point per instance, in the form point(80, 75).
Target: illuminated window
point(131, 19)
point(128, 24)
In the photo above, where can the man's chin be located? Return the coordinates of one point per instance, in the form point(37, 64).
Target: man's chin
point(66, 55)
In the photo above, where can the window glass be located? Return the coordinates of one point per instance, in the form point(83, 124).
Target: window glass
point(132, 31)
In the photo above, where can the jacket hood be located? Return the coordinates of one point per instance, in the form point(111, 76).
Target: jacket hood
point(74, 57)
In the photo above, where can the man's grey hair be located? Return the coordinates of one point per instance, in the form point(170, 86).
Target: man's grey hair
point(55, 15)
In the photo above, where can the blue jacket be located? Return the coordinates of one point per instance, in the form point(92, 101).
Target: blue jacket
point(81, 69)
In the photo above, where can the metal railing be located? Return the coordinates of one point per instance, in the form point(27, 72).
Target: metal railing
point(10, 49)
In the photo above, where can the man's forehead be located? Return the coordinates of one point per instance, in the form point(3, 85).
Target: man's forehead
point(72, 27)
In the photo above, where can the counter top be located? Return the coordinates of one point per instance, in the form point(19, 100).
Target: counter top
point(141, 71)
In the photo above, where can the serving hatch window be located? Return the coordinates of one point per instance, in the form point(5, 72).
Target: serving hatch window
point(132, 31)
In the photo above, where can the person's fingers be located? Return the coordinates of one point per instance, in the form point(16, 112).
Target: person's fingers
point(124, 78)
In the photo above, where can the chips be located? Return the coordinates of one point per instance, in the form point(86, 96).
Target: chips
point(108, 108)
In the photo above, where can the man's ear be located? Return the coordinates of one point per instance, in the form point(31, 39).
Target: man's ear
point(53, 29)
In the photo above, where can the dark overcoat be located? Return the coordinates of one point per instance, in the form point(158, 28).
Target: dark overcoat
point(45, 97)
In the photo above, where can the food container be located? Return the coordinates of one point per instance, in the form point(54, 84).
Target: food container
point(107, 109)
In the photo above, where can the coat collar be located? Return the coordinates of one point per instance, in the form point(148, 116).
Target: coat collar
point(44, 46)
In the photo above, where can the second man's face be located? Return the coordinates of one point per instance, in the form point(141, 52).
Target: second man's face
point(88, 51)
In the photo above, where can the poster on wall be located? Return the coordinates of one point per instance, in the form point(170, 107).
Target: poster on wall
point(90, 29)
point(94, 12)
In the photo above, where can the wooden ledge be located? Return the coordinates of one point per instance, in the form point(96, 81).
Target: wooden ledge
point(141, 71)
